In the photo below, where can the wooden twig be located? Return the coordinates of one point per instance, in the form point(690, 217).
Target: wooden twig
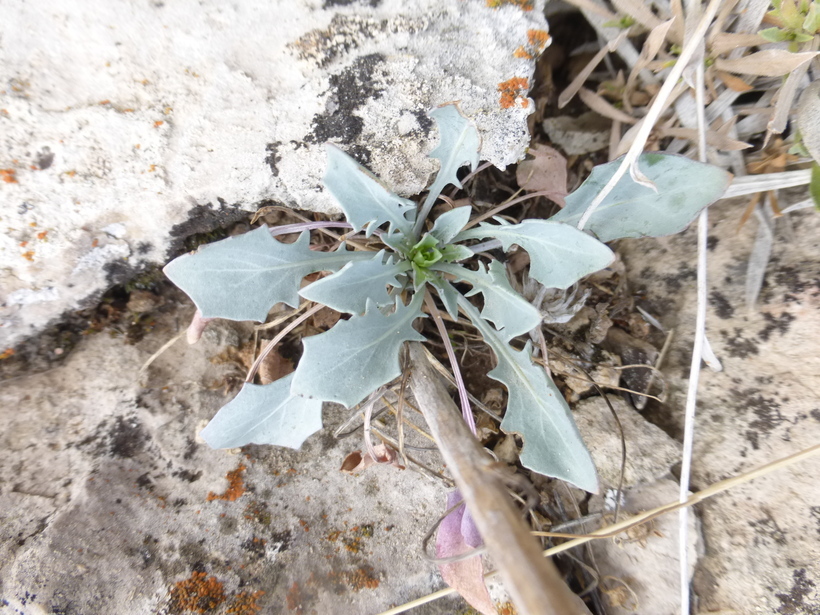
point(532, 581)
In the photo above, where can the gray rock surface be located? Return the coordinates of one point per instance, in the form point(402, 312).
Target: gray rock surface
point(109, 503)
point(126, 125)
point(762, 539)
point(650, 451)
point(640, 567)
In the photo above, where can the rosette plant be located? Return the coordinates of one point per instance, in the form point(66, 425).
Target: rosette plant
point(384, 290)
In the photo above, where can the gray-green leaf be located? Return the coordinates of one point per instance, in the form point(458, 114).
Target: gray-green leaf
point(510, 312)
point(458, 145)
point(560, 254)
point(447, 294)
point(356, 356)
point(363, 198)
point(243, 277)
point(536, 410)
point(450, 223)
point(265, 414)
point(347, 290)
point(685, 187)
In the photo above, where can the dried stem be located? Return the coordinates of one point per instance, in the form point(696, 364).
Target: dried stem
point(533, 582)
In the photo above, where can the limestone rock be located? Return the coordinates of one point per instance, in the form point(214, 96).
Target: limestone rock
point(640, 567)
point(109, 504)
point(126, 126)
point(650, 452)
point(762, 539)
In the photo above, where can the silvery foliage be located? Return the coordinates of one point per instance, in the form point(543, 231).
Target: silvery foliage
point(243, 277)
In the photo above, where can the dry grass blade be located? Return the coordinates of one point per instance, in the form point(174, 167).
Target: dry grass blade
point(576, 84)
point(786, 95)
point(159, 352)
point(639, 11)
point(724, 42)
point(766, 63)
point(725, 12)
point(715, 139)
point(594, 8)
point(750, 184)
point(602, 107)
point(653, 45)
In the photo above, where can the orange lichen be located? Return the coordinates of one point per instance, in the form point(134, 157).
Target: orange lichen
point(42, 235)
point(105, 102)
point(511, 90)
point(8, 352)
point(23, 244)
point(536, 43)
point(236, 486)
point(158, 123)
point(524, 5)
point(358, 579)
point(29, 255)
point(199, 593)
point(244, 603)
point(294, 598)
point(507, 609)
point(8, 175)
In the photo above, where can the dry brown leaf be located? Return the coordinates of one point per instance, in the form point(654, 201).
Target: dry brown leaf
point(465, 576)
point(546, 171)
point(602, 107)
point(729, 41)
point(274, 367)
point(579, 80)
point(326, 318)
point(767, 63)
point(733, 82)
point(356, 462)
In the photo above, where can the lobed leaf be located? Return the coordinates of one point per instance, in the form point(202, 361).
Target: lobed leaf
point(684, 189)
point(458, 145)
point(242, 278)
point(510, 312)
point(363, 198)
point(447, 294)
point(536, 410)
point(265, 414)
point(560, 254)
point(349, 289)
point(450, 223)
point(356, 356)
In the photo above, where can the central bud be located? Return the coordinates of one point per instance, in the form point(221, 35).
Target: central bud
point(425, 253)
